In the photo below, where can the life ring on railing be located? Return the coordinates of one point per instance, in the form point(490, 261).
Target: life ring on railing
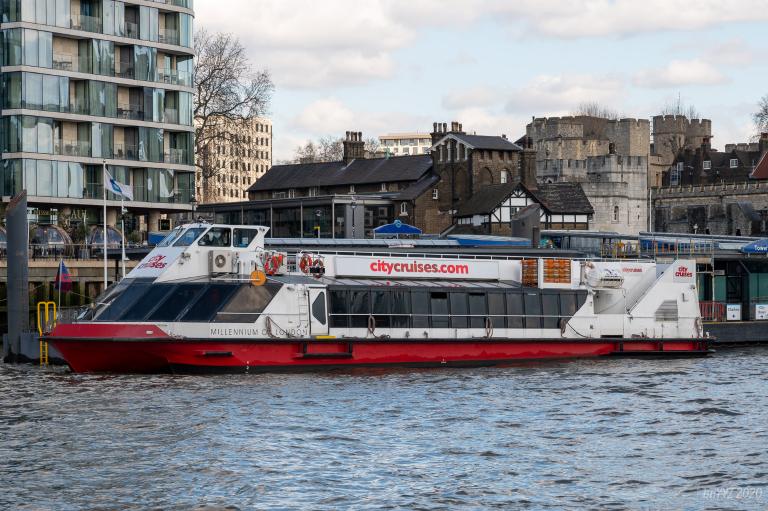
point(305, 263)
point(271, 265)
point(319, 268)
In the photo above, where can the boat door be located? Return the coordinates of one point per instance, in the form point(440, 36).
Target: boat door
point(318, 311)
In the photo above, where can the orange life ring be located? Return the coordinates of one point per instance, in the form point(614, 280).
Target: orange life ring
point(305, 263)
point(271, 265)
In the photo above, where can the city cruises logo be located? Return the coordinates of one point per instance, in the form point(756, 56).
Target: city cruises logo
point(683, 273)
point(155, 262)
point(409, 268)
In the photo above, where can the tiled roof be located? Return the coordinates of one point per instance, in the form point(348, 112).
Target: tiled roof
point(486, 199)
point(375, 170)
point(562, 198)
point(488, 142)
point(761, 169)
point(415, 190)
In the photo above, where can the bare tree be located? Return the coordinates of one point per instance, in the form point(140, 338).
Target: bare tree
point(679, 107)
point(761, 116)
point(229, 94)
point(595, 109)
point(326, 149)
point(372, 145)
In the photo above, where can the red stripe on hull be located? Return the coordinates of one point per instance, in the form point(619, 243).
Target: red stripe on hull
point(138, 356)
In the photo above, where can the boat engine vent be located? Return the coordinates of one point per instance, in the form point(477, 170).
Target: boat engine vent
point(667, 311)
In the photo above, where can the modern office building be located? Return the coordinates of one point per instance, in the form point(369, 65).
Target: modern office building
point(84, 81)
point(240, 155)
point(405, 144)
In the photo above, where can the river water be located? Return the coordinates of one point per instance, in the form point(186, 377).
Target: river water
point(608, 434)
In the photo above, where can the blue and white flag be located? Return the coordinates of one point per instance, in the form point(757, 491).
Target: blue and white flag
point(114, 186)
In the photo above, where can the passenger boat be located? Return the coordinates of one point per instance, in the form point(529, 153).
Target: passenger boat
point(211, 298)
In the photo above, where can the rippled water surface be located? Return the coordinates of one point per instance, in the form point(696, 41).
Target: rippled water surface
point(609, 434)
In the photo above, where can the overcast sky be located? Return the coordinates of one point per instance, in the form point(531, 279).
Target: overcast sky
point(380, 66)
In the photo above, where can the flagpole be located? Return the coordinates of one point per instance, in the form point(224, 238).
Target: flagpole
point(104, 167)
point(122, 230)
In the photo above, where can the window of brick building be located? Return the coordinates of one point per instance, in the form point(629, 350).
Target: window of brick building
point(707, 164)
point(734, 163)
point(435, 193)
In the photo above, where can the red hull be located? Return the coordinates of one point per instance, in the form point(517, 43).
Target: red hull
point(151, 356)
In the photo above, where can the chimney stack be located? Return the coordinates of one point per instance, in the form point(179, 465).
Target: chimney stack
point(354, 147)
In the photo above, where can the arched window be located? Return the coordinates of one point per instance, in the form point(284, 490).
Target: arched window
point(504, 176)
point(615, 213)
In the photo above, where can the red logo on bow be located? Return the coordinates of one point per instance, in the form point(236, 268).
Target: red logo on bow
point(155, 262)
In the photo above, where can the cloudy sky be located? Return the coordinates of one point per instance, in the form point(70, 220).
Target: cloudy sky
point(380, 66)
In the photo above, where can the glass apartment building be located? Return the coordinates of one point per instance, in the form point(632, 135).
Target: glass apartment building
point(83, 81)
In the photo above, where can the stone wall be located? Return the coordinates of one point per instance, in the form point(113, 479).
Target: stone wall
point(671, 133)
point(722, 209)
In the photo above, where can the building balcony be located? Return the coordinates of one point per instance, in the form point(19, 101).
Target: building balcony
point(72, 148)
point(168, 36)
point(171, 116)
point(126, 152)
point(125, 70)
point(176, 156)
point(85, 23)
point(131, 30)
point(129, 111)
point(174, 77)
point(65, 62)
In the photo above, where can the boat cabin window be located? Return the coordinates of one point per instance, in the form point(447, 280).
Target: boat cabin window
point(318, 308)
point(496, 309)
point(217, 237)
point(478, 310)
point(420, 308)
point(515, 310)
point(209, 302)
point(243, 237)
point(459, 310)
point(438, 303)
point(123, 301)
point(171, 237)
point(532, 301)
point(154, 295)
point(175, 302)
point(247, 303)
point(189, 236)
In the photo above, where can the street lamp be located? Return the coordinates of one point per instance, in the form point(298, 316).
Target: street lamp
point(193, 203)
point(353, 206)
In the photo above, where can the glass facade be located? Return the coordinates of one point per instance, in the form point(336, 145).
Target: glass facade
point(69, 112)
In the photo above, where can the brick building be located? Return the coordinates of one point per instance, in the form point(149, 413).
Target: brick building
point(351, 197)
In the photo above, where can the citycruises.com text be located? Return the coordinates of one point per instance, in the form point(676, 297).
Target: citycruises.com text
point(416, 267)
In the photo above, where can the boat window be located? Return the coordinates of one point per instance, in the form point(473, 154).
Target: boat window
point(420, 309)
point(458, 310)
point(123, 301)
point(401, 309)
point(318, 308)
point(171, 237)
point(496, 309)
point(581, 297)
point(217, 237)
point(568, 305)
point(209, 302)
point(175, 302)
point(515, 310)
point(360, 308)
point(149, 301)
point(247, 303)
point(439, 309)
point(104, 299)
point(243, 237)
point(532, 309)
point(189, 236)
point(381, 304)
point(339, 308)
point(551, 309)
point(478, 310)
